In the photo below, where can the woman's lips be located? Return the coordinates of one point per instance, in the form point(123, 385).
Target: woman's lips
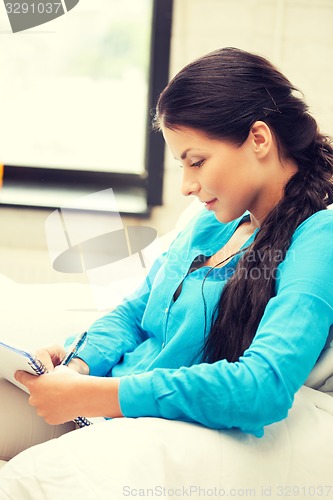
point(209, 204)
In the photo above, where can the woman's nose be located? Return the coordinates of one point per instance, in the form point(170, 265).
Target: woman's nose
point(189, 184)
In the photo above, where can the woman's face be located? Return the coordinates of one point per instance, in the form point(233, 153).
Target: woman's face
point(226, 178)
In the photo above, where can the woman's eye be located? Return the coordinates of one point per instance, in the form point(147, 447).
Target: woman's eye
point(197, 163)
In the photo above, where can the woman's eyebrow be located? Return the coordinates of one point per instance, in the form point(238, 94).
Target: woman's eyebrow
point(184, 154)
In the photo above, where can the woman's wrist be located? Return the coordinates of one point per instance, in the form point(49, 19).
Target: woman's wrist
point(100, 396)
point(78, 365)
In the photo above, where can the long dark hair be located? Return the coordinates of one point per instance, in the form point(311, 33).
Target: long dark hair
point(222, 94)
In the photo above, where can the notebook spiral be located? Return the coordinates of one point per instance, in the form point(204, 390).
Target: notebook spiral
point(82, 421)
point(38, 367)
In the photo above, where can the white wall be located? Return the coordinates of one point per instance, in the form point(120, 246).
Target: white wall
point(296, 35)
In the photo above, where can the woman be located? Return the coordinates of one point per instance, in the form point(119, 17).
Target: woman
point(233, 318)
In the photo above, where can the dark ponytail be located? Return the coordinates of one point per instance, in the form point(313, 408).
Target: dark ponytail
point(223, 94)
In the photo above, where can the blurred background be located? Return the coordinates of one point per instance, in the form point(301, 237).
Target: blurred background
point(77, 96)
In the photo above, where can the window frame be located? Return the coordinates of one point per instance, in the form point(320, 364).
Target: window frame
point(148, 185)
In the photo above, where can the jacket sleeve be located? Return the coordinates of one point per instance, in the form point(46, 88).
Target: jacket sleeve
point(118, 331)
point(259, 388)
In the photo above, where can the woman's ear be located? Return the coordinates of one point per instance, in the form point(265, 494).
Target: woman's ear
point(261, 138)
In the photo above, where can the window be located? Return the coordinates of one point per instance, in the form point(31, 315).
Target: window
point(75, 104)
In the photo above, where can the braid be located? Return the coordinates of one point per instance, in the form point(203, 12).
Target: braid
point(310, 189)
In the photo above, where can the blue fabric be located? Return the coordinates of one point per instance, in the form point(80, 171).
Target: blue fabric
point(153, 342)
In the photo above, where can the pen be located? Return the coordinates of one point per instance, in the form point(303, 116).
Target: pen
point(75, 347)
point(73, 350)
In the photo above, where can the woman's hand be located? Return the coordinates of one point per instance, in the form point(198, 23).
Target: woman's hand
point(63, 394)
point(53, 394)
point(52, 356)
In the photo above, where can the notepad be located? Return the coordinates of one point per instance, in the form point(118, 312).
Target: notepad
point(13, 359)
